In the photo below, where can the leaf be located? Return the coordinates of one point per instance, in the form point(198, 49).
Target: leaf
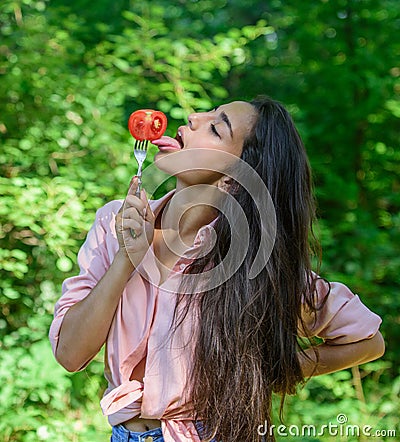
point(64, 264)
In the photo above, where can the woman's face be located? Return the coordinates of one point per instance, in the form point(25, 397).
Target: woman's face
point(208, 144)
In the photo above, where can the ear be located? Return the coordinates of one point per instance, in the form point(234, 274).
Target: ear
point(225, 183)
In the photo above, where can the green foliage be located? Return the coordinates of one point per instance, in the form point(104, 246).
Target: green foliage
point(336, 65)
point(367, 402)
point(70, 76)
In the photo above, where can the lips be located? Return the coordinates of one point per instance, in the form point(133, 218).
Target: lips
point(168, 144)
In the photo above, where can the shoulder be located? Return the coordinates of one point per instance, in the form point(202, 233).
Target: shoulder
point(105, 216)
point(109, 210)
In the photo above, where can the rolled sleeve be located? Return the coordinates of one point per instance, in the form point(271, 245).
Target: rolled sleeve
point(341, 317)
point(93, 260)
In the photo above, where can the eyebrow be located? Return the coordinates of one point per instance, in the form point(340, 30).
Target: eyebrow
point(225, 119)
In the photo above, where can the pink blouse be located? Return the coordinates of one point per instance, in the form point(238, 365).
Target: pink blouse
point(141, 325)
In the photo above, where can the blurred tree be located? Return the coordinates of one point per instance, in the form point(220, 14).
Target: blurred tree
point(71, 72)
point(335, 65)
point(65, 150)
point(102, 19)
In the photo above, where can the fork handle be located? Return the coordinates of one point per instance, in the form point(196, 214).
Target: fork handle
point(139, 187)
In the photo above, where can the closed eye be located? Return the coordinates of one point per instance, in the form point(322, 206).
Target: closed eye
point(214, 130)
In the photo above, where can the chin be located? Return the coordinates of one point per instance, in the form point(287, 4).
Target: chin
point(166, 162)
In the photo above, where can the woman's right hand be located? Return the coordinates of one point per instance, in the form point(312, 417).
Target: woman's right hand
point(134, 225)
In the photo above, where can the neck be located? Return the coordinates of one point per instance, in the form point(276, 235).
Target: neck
point(190, 208)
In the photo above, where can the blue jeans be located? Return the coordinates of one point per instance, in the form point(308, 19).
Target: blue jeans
point(121, 434)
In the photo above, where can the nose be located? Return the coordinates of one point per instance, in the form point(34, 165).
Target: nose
point(195, 119)
point(192, 121)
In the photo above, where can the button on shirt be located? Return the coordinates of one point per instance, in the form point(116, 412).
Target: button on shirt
point(141, 327)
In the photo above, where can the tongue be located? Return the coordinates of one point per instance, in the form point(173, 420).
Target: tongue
point(167, 144)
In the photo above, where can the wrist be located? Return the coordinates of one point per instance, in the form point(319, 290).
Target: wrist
point(122, 261)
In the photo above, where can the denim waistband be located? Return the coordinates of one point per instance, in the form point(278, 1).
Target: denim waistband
point(121, 434)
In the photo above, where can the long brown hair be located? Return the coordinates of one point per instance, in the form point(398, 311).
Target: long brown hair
point(246, 344)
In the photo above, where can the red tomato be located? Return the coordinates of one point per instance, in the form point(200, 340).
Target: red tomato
point(147, 124)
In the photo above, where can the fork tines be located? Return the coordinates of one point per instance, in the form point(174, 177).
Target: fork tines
point(141, 145)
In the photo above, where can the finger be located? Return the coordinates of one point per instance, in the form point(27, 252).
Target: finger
point(134, 207)
point(134, 201)
point(133, 224)
point(133, 213)
point(133, 185)
point(129, 241)
point(131, 190)
point(147, 212)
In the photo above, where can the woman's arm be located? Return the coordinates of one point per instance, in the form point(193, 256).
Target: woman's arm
point(338, 357)
point(86, 324)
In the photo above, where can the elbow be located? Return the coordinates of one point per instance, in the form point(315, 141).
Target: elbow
point(70, 368)
point(68, 363)
point(376, 347)
point(380, 345)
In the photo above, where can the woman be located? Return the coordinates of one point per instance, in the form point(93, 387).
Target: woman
point(197, 340)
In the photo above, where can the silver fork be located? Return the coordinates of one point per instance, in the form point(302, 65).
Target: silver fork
point(140, 152)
